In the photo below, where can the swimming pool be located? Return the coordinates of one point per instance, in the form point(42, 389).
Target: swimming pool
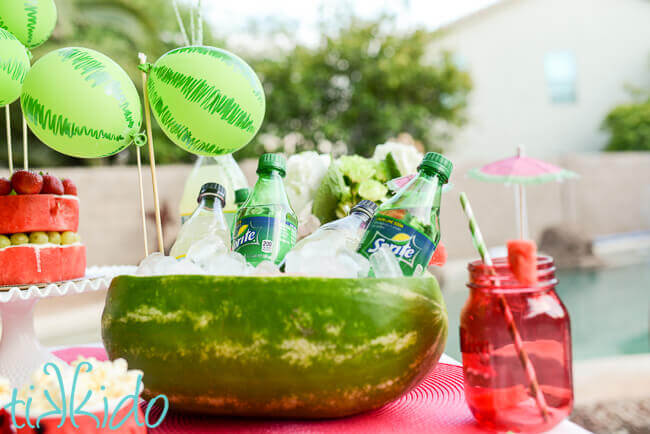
point(609, 310)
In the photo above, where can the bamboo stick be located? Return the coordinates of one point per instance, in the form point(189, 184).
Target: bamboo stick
point(10, 156)
point(152, 159)
point(143, 213)
point(25, 150)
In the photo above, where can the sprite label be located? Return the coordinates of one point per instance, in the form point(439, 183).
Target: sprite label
point(256, 238)
point(412, 248)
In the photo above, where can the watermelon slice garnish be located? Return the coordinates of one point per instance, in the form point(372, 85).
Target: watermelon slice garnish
point(522, 258)
point(439, 257)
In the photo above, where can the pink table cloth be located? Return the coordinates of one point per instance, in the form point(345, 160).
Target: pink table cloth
point(437, 405)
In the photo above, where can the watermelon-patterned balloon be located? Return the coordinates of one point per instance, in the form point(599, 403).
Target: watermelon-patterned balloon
point(14, 65)
point(31, 21)
point(207, 101)
point(80, 103)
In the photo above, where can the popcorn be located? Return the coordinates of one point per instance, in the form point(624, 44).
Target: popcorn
point(85, 378)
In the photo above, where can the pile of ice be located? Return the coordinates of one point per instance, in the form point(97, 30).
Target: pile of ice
point(207, 256)
point(328, 257)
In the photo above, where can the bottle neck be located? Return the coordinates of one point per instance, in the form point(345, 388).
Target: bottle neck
point(269, 189)
point(363, 218)
point(210, 202)
point(424, 189)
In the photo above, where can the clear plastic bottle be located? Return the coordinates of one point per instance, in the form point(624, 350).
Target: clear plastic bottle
point(347, 232)
point(206, 221)
point(266, 225)
point(222, 169)
point(409, 223)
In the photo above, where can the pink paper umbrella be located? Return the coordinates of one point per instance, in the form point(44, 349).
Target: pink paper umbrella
point(521, 170)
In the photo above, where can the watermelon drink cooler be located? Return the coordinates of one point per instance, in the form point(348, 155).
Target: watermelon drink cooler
point(497, 387)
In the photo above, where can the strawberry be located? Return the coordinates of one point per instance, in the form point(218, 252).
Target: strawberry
point(5, 186)
point(52, 185)
point(69, 187)
point(26, 182)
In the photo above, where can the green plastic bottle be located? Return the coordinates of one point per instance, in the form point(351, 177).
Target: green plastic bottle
point(266, 225)
point(409, 223)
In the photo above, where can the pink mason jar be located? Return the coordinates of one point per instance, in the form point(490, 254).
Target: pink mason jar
point(516, 345)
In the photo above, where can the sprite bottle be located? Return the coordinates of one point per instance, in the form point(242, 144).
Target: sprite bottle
point(409, 223)
point(241, 196)
point(266, 225)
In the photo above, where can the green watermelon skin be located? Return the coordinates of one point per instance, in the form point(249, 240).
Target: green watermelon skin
point(286, 347)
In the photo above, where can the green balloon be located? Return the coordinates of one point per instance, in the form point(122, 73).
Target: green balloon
point(14, 65)
point(81, 103)
point(208, 101)
point(31, 21)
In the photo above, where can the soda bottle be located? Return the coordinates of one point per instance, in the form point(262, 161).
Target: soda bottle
point(409, 222)
point(347, 231)
point(241, 196)
point(266, 225)
point(207, 220)
point(222, 169)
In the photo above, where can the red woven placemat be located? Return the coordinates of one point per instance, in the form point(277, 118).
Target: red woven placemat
point(437, 405)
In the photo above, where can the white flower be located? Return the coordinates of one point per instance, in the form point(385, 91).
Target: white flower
point(407, 157)
point(305, 171)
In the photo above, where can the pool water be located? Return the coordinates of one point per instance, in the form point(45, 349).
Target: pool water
point(609, 308)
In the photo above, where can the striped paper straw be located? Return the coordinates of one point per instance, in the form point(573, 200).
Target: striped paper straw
point(479, 243)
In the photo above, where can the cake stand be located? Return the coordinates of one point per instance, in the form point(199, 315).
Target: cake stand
point(20, 352)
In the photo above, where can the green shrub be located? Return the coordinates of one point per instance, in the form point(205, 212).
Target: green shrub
point(629, 127)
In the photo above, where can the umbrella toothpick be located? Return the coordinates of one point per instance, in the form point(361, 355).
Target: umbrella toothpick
point(152, 159)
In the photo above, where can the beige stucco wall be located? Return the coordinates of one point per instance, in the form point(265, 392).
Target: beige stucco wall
point(613, 195)
point(504, 48)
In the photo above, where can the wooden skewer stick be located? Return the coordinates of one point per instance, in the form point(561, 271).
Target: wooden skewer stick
point(10, 157)
point(152, 159)
point(25, 151)
point(142, 209)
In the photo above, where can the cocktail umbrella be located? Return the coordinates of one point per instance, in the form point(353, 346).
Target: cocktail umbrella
point(521, 170)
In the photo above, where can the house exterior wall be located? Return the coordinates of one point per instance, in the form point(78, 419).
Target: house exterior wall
point(504, 48)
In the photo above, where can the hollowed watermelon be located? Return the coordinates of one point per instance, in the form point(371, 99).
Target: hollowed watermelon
point(38, 212)
point(298, 347)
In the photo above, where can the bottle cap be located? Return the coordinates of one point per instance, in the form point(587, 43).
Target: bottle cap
point(438, 163)
point(274, 162)
point(367, 207)
point(213, 189)
point(241, 194)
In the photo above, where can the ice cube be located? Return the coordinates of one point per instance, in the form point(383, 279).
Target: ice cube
point(227, 264)
point(384, 263)
point(185, 266)
point(266, 268)
point(203, 251)
point(342, 263)
point(155, 264)
point(355, 262)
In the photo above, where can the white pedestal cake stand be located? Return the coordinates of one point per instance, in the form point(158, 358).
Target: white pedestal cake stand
point(20, 352)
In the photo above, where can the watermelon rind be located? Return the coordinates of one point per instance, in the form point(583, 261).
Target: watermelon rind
point(286, 347)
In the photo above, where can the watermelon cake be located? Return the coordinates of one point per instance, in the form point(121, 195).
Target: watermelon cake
point(39, 218)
